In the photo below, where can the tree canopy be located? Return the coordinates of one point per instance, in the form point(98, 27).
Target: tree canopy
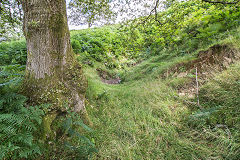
point(10, 17)
point(96, 12)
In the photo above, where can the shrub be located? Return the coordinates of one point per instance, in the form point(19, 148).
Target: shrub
point(14, 52)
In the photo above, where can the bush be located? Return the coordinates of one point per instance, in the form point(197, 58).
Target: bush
point(107, 45)
point(14, 52)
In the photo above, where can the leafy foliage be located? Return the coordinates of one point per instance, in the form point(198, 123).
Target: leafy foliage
point(183, 28)
point(14, 52)
point(17, 122)
point(189, 25)
point(20, 124)
point(107, 45)
point(10, 19)
point(90, 12)
point(77, 146)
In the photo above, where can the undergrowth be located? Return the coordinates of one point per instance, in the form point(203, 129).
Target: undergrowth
point(220, 98)
point(18, 123)
point(22, 127)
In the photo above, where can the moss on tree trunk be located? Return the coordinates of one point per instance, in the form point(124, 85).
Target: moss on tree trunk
point(52, 73)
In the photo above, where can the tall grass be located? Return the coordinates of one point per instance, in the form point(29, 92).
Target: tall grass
point(144, 118)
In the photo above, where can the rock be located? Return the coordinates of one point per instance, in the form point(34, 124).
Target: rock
point(181, 94)
point(183, 74)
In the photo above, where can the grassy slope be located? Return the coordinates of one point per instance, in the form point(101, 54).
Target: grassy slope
point(139, 120)
point(143, 119)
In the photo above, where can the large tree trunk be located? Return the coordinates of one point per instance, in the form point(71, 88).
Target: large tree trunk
point(52, 73)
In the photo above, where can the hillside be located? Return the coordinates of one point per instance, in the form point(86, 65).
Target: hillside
point(153, 112)
point(169, 91)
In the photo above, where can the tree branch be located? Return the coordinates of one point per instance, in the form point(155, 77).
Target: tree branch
point(156, 13)
point(221, 2)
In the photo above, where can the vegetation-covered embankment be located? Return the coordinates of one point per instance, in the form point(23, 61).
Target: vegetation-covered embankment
point(147, 117)
point(152, 112)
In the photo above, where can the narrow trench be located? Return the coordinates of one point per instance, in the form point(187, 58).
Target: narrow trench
point(107, 77)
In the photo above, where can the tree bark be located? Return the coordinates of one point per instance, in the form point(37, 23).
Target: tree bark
point(52, 74)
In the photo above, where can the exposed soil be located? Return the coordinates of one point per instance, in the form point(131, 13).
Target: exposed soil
point(108, 78)
point(216, 59)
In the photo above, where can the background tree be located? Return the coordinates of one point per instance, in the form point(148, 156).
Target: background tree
point(10, 19)
point(90, 12)
point(99, 12)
